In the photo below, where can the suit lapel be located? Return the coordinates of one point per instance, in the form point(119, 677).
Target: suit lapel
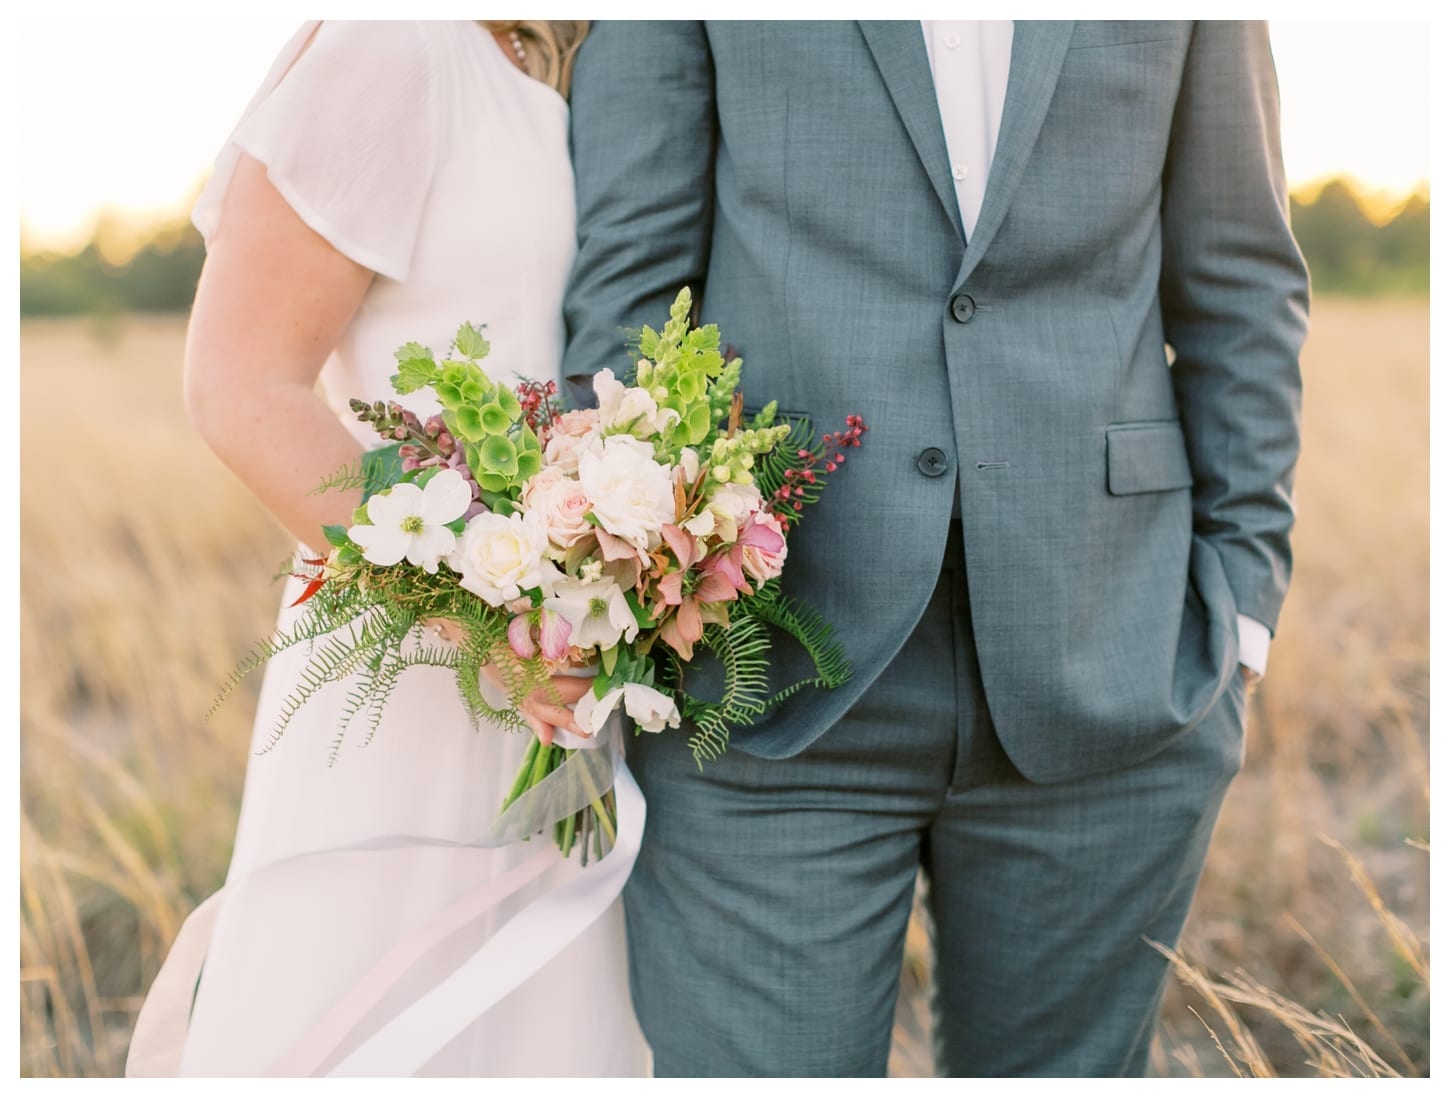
point(1038, 48)
point(900, 53)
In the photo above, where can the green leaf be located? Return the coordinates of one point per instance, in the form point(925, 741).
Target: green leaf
point(458, 525)
point(602, 685)
point(381, 469)
point(649, 342)
point(470, 342)
point(608, 658)
point(416, 368)
point(336, 536)
point(641, 615)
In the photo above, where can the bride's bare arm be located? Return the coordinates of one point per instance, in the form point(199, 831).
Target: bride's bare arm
point(273, 299)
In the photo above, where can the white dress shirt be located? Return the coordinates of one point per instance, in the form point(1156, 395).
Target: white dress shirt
point(969, 61)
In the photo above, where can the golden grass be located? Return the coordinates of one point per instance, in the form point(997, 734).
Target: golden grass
point(145, 572)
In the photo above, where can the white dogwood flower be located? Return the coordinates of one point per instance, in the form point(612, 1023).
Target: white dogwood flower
point(408, 521)
point(596, 611)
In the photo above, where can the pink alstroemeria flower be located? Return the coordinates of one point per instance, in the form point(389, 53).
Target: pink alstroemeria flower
point(521, 637)
point(554, 630)
point(683, 629)
point(760, 534)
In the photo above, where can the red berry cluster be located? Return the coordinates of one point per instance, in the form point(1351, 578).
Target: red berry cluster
point(791, 496)
point(537, 400)
point(851, 436)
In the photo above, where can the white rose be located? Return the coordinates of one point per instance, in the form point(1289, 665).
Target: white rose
point(631, 493)
point(501, 556)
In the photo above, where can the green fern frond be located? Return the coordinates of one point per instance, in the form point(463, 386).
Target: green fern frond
point(808, 628)
point(741, 647)
point(347, 479)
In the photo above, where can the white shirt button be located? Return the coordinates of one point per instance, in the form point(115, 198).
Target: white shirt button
point(958, 172)
point(952, 40)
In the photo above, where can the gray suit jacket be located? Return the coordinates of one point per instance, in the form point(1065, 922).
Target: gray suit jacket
point(1117, 513)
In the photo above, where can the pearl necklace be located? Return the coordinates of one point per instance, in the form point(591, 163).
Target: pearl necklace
point(518, 45)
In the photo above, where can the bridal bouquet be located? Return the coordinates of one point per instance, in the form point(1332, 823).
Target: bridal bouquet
point(615, 541)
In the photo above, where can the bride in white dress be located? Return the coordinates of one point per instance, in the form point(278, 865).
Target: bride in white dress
point(388, 182)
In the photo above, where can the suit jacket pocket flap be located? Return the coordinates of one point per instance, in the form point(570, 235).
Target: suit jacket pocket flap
point(1147, 457)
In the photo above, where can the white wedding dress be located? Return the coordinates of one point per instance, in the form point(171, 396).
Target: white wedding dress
point(357, 890)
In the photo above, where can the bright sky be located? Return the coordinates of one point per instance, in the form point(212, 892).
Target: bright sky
point(140, 107)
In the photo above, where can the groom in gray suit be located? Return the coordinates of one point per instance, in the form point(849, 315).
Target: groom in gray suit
point(1049, 559)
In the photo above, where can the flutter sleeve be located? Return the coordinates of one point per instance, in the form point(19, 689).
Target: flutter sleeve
point(346, 125)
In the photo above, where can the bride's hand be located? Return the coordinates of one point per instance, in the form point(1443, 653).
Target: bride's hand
point(444, 629)
point(543, 715)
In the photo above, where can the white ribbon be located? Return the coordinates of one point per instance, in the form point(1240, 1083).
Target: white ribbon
point(515, 952)
point(518, 949)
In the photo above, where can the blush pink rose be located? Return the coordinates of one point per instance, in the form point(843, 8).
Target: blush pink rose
point(560, 503)
point(568, 437)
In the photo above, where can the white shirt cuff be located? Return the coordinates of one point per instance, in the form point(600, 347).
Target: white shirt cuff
point(1253, 644)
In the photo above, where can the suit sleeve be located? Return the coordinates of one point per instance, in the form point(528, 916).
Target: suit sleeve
point(1235, 297)
point(643, 133)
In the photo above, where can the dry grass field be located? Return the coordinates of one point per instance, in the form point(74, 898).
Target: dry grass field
point(146, 572)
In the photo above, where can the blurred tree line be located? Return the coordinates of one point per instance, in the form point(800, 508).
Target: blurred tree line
point(121, 270)
point(1351, 253)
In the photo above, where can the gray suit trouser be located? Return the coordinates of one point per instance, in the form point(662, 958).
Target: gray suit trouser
point(768, 910)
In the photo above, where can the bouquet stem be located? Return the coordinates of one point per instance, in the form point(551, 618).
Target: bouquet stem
point(596, 821)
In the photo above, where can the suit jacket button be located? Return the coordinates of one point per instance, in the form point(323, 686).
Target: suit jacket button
point(931, 462)
point(963, 307)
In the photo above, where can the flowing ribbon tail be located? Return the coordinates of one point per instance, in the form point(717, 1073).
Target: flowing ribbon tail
point(523, 945)
point(327, 1034)
point(160, 1031)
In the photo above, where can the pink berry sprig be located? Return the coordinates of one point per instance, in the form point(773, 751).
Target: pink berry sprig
point(536, 398)
point(851, 436)
point(804, 481)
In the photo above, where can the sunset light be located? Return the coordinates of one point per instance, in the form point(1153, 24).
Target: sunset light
point(136, 132)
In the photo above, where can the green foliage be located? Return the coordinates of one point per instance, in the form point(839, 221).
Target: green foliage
point(771, 469)
point(374, 471)
point(482, 416)
point(365, 630)
point(157, 276)
point(743, 649)
point(805, 625)
point(677, 367)
point(1348, 253)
